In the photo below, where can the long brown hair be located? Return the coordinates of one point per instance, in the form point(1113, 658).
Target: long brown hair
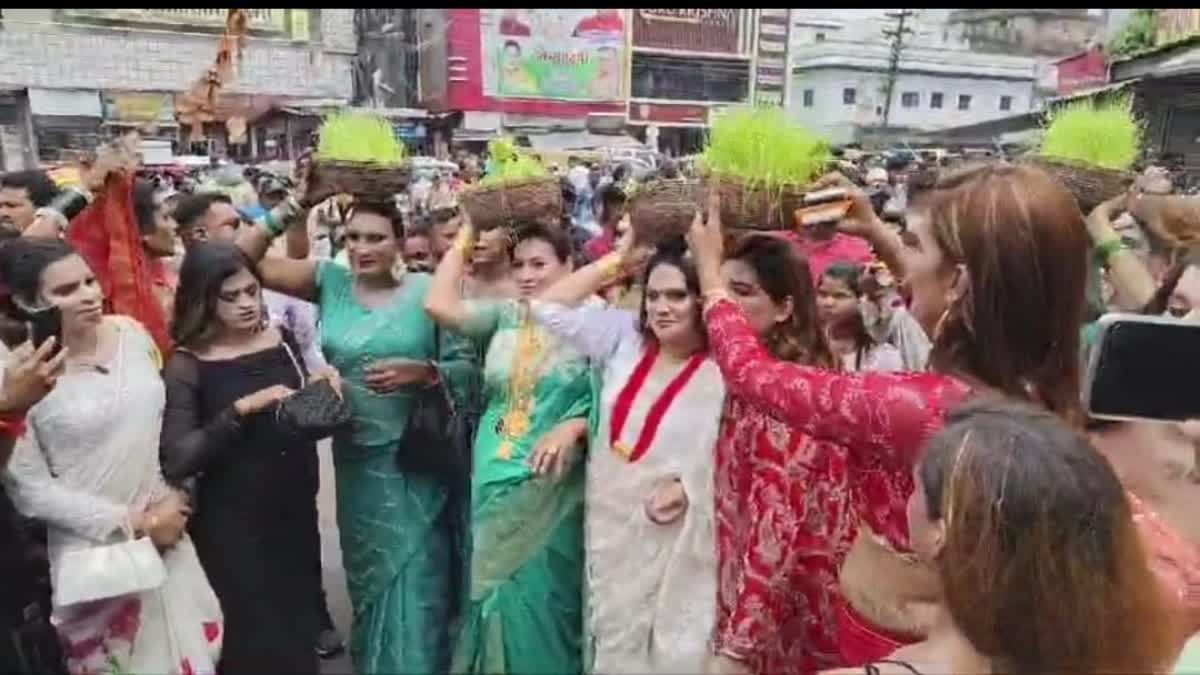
point(1025, 247)
point(783, 273)
point(1042, 569)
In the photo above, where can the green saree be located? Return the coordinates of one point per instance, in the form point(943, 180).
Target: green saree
point(397, 529)
point(524, 610)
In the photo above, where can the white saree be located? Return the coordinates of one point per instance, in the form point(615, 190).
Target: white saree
point(651, 588)
point(89, 459)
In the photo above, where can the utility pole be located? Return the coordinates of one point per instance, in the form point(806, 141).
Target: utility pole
point(896, 36)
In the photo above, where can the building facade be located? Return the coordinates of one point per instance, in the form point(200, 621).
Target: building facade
point(522, 71)
point(838, 88)
point(687, 63)
point(86, 73)
point(1053, 33)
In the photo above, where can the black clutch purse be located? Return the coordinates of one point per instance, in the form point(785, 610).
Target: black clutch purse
point(314, 412)
point(437, 439)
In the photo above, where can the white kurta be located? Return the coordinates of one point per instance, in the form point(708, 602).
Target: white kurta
point(89, 460)
point(651, 588)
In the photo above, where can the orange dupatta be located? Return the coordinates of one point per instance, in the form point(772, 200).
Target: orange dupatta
point(106, 234)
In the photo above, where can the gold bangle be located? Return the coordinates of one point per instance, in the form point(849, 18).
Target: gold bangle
point(612, 266)
point(465, 241)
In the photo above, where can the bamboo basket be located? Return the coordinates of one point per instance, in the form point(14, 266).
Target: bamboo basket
point(508, 204)
point(750, 207)
point(662, 209)
point(366, 181)
point(1091, 185)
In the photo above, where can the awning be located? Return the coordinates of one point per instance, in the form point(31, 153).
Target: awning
point(1113, 87)
point(581, 140)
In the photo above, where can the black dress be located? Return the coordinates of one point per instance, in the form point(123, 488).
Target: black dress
point(255, 519)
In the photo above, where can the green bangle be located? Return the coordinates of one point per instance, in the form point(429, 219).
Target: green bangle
point(274, 227)
point(1105, 250)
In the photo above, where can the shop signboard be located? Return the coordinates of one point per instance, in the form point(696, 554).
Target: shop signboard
point(139, 107)
point(703, 31)
point(565, 54)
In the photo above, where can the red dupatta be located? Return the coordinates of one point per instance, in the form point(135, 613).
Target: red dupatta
point(106, 234)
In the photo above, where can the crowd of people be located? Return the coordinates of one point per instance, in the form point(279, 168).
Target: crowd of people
point(857, 448)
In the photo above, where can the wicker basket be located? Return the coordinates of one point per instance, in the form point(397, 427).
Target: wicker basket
point(745, 207)
point(1090, 184)
point(534, 199)
point(662, 209)
point(366, 181)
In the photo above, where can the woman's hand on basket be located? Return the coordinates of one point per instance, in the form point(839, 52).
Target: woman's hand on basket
point(707, 243)
point(1099, 221)
point(555, 451)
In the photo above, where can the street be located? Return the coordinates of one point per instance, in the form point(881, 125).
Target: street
point(331, 561)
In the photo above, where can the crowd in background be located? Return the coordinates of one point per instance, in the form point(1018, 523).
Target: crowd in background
point(858, 447)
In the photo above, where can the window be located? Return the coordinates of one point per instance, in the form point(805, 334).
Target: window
point(849, 96)
point(657, 76)
point(964, 101)
point(819, 37)
point(935, 100)
point(1006, 103)
point(808, 98)
point(910, 99)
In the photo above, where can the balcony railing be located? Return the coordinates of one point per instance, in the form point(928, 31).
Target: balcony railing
point(262, 20)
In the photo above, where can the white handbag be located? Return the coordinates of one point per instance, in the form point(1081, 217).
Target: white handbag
point(107, 571)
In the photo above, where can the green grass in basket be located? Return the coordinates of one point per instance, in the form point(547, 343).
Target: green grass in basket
point(509, 164)
point(352, 136)
point(764, 148)
point(1107, 135)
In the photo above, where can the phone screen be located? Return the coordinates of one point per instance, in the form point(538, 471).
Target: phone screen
point(1146, 370)
point(44, 324)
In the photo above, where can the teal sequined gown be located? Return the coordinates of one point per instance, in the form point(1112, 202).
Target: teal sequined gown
point(396, 528)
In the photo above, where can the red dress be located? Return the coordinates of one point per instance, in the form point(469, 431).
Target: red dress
point(783, 531)
point(883, 420)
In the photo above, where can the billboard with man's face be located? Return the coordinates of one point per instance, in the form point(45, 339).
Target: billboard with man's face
point(567, 54)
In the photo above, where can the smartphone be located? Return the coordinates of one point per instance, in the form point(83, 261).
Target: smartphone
point(825, 213)
point(823, 196)
point(44, 324)
point(1144, 368)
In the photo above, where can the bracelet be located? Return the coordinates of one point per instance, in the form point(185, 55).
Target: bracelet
point(70, 202)
point(465, 241)
point(612, 266)
point(1105, 250)
point(60, 221)
point(12, 425)
point(273, 224)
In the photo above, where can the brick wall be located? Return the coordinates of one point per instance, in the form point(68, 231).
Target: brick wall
point(48, 55)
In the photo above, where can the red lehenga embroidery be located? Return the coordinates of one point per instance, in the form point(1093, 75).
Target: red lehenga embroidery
point(883, 420)
point(783, 531)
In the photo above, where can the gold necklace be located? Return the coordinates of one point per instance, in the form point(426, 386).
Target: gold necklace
point(521, 383)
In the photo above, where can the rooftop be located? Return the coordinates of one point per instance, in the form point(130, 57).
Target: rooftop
point(835, 54)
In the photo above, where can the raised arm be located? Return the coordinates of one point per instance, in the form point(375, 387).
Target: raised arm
point(297, 278)
point(1133, 283)
point(885, 413)
point(595, 330)
point(587, 281)
point(444, 303)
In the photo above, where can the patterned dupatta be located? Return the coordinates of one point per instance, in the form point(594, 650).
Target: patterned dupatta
point(106, 234)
